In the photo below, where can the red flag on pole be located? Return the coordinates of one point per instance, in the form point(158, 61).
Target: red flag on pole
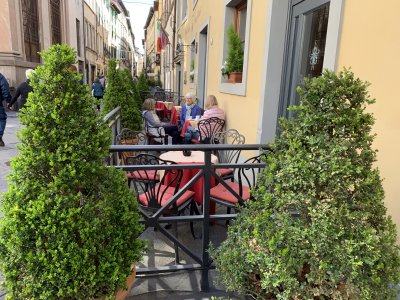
point(159, 46)
point(164, 39)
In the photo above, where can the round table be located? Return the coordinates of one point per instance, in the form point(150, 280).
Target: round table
point(197, 157)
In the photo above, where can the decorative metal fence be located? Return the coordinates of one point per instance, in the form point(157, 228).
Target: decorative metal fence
point(207, 171)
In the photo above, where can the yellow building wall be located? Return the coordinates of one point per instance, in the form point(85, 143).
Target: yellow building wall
point(370, 44)
point(242, 112)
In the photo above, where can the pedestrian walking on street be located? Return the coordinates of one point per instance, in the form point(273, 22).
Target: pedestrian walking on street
point(23, 90)
point(97, 91)
point(4, 96)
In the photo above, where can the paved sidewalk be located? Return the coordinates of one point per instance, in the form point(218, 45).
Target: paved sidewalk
point(10, 150)
point(178, 285)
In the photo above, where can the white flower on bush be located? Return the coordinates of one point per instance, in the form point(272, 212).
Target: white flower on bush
point(191, 75)
point(223, 69)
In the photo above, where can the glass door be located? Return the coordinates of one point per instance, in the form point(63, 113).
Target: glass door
point(306, 47)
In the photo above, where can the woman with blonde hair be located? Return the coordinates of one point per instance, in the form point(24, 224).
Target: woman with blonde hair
point(212, 110)
point(154, 125)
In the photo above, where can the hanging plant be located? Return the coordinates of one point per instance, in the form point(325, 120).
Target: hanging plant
point(191, 75)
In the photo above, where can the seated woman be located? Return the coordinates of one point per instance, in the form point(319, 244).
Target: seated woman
point(155, 126)
point(191, 109)
point(212, 110)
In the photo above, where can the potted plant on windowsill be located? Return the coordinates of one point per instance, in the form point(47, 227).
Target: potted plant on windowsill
point(70, 224)
point(234, 59)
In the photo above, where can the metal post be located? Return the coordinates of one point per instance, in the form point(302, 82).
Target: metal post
point(206, 221)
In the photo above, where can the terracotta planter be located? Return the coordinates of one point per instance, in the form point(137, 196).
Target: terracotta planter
point(121, 293)
point(235, 77)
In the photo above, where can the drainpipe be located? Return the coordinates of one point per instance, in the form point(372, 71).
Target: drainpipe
point(173, 45)
point(84, 42)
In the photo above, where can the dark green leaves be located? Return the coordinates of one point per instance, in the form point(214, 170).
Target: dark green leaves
point(70, 223)
point(342, 245)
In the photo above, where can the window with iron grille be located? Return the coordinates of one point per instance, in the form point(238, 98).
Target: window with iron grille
point(30, 21)
point(55, 21)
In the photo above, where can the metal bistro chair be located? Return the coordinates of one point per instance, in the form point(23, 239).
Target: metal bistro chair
point(208, 128)
point(129, 137)
point(152, 197)
point(151, 138)
point(232, 137)
point(247, 180)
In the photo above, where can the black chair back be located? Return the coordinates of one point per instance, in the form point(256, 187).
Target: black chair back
point(209, 127)
point(130, 137)
point(232, 137)
point(153, 195)
point(153, 139)
point(247, 176)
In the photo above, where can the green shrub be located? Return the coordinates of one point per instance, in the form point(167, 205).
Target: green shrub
point(234, 59)
point(70, 224)
point(119, 93)
point(142, 86)
point(133, 106)
point(341, 244)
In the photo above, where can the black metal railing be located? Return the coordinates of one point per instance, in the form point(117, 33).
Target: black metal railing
point(206, 171)
point(113, 120)
point(164, 95)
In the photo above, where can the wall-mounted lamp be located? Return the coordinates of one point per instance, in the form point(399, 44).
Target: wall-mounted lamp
point(180, 47)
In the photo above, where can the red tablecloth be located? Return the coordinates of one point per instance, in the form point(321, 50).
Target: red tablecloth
point(184, 128)
point(162, 108)
point(174, 116)
point(188, 174)
point(192, 123)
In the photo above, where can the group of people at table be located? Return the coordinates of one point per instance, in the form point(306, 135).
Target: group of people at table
point(190, 111)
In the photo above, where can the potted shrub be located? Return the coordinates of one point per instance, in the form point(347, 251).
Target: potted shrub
point(317, 228)
point(70, 224)
point(119, 92)
point(234, 59)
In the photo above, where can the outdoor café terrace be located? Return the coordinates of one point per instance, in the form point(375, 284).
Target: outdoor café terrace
point(179, 233)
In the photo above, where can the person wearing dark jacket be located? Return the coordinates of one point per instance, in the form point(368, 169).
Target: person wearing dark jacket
point(23, 90)
point(4, 95)
point(97, 91)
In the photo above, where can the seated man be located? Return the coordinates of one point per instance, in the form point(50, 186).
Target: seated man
point(191, 109)
point(212, 110)
point(156, 127)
